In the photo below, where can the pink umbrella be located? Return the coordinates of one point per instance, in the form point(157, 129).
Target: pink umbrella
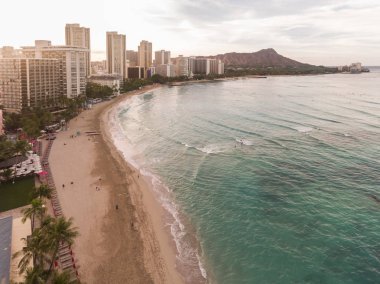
point(43, 173)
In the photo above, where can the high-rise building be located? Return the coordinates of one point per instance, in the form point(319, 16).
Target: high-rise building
point(72, 65)
point(145, 54)
point(206, 66)
point(9, 52)
point(136, 72)
point(116, 51)
point(165, 70)
point(1, 122)
point(132, 58)
point(216, 67)
point(162, 57)
point(79, 36)
point(29, 83)
point(182, 67)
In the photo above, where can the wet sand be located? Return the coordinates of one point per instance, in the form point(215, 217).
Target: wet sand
point(123, 238)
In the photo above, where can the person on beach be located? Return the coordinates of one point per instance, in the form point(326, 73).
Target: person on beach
point(117, 206)
point(63, 186)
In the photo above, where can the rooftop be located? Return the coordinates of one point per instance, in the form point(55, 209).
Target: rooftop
point(5, 248)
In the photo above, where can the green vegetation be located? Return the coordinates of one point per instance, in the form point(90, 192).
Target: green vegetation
point(18, 194)
point(32, 121)
point(9, 149)
point(263, 71)
point(41, 248)
point(135, 84)
point(98, 91)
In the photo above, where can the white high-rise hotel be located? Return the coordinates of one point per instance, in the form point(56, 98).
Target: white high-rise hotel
point(72, 64)
point(116, 51)
point(76, 35)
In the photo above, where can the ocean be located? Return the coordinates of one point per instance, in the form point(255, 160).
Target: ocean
point(272, 180)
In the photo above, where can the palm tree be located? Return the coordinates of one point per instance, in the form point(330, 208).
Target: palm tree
point(37, 209)
point(43, 191)
point(7, 174)
point(60, 231)
point(34, 251)
point(34, 275)
point(61, 278)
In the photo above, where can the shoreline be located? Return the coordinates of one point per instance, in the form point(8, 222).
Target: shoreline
point(149, 212)
point(122, 235)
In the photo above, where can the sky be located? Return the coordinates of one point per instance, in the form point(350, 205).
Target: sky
point(321, 32)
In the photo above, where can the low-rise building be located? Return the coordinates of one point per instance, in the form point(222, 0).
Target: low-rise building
point(112, 81)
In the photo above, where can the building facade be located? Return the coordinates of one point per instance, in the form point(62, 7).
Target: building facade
point(76, 35)
point(116, 54)
point(145, 54)
point(132, 58)
point(162, 57)
point(9, 52)
point(1, 121)
point(72, 65)
point(136, 72)
point(182, 66)
point(166, 70)
point(29, 83)
point(112, 81)
point(206, 66)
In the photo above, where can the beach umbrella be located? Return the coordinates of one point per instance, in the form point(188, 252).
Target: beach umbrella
point(43, 173)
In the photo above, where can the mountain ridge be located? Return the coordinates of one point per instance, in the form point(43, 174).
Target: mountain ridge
point(263, 58)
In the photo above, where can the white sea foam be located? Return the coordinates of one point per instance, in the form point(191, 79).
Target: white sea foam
point(187, 254)
point(212, 149)
point(244, 141)
point(303, 129)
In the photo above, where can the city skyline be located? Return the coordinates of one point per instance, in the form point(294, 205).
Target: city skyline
point(325, 32)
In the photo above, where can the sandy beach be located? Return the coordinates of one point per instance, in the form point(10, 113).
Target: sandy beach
point(122, 234)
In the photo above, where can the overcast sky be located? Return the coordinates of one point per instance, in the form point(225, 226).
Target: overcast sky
point(328, 32)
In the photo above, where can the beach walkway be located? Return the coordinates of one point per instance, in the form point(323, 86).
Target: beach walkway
point(65, 253)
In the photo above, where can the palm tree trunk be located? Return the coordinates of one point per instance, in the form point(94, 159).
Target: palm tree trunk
point(53, 259)
point(32, 223)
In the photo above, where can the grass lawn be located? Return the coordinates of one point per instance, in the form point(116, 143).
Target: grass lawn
point(14, 195)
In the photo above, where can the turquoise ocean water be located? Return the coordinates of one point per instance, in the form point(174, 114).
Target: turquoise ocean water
point(271, 180)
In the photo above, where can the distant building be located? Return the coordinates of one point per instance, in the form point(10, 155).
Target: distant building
point(182, 67)
point(79, 36)
point(72, 65)
point(162, 57)
point(132, 58)
point(145, 54)
point(99, 67)
point(116, 52)
point(9, 52)
point(136, 72)
point(206, 66)
point(355, 67)
point(151, 71)
point(29, 83)
point(112, 81)
point(166, 70)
